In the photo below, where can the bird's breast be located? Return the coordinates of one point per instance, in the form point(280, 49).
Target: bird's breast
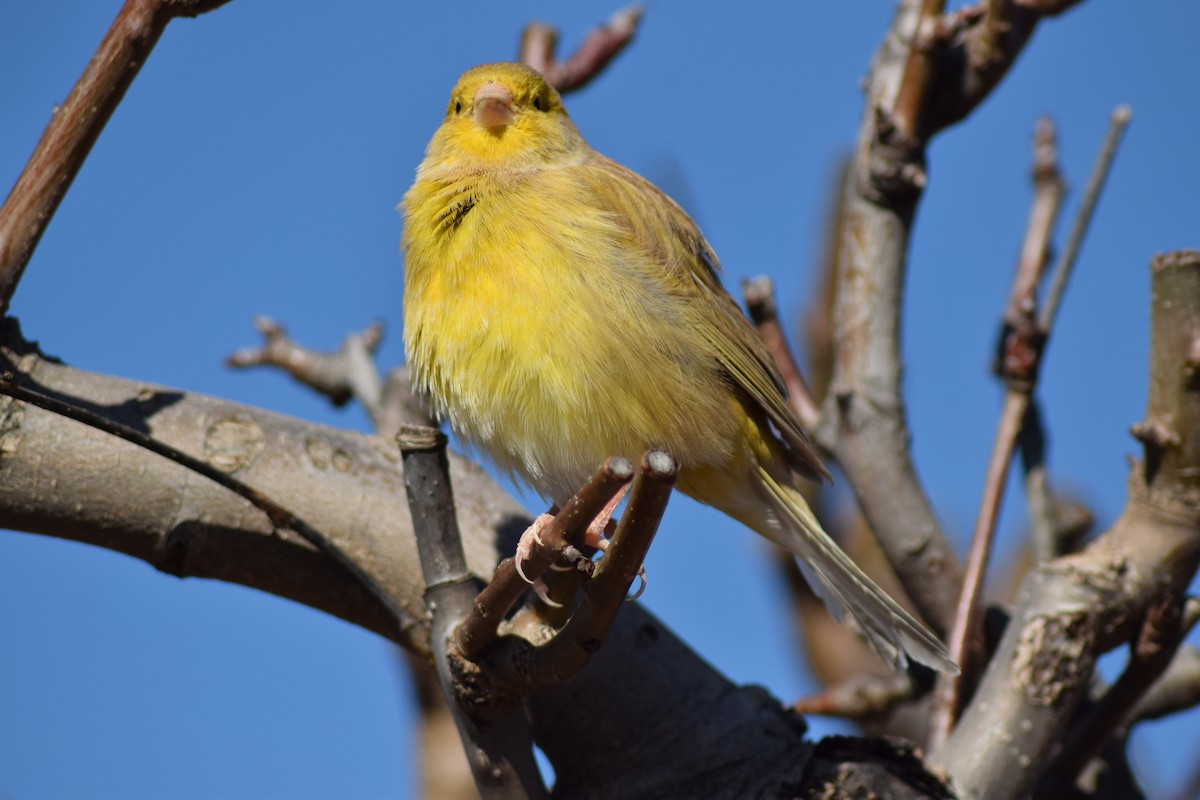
point(547, 337)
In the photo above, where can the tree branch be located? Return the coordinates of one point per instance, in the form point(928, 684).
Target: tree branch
point(920, 82)
point(496, 741)
point(539, 41)
point(1075, 608)
point(193, 528)
point(75, 127)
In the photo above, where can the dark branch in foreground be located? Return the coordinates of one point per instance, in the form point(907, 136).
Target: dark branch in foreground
point(498, 747)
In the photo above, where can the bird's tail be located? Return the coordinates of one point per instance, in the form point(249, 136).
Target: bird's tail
point(846, 590)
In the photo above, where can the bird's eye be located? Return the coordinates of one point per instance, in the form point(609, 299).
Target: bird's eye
point(458, 107)
point(537, 103)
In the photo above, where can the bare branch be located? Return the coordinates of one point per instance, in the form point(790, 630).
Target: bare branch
point(1162, 631)
point(860, 697)
point(760, 304)
point(339, 376)
point(279, 516)
point(1077, 607)
point(1023, 341)
point(498, 745)
point(195, 528)
point(1083, 218)
point(539, 41)
point(588, 628)
point(863, 420)
point(76, 125)
point(1177, 690)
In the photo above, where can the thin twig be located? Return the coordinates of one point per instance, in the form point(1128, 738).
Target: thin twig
point(279, 516)
point(860, 697)
point(539, 41)
point(760, 304)
point(1049, 189)
point(348, 373)
point(76, 125)
point(964, 644)
point(1083, 218)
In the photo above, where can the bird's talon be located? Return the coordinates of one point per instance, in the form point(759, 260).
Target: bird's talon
point(542, 591)
point(517, 563)
point(641, 588)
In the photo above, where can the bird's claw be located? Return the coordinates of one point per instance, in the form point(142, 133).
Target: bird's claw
point(525, 544)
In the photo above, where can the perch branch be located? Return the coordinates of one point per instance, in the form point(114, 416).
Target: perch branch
point(194, 528)
point(479, 629)
point(604, 594)
point(499, 748)
point(76, 125)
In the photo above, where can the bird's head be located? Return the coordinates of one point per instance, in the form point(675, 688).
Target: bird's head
point(504, 114)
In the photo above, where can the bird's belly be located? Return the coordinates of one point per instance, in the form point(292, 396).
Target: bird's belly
point(553, 370)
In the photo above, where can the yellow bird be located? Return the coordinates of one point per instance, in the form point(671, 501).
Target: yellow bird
point(560, 309)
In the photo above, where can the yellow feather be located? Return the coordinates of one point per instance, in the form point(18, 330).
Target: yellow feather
point(560, 309)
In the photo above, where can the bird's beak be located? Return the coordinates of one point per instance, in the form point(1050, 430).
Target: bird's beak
point(493, 106)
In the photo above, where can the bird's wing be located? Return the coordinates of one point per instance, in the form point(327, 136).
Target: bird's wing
point(668, 235)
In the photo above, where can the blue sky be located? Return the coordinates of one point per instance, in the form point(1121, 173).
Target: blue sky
point(254, 167)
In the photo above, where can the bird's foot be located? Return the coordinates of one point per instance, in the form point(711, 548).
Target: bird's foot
point(527, 542)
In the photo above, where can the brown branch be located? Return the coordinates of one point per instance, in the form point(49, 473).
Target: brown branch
point(339, 376)
point(863, 420)
point(981, 55)
point(1162, 631)
point(195, 528)
point(14, 386)
point(76, 125)
point(862, 697)
point(1075, 608)
point(1024, 338)
point(760, 304)
point(539, 41)
point(1083, 217)
point(909, 108)
point(919, 83)
point(643, 675)
point(1022, 342)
